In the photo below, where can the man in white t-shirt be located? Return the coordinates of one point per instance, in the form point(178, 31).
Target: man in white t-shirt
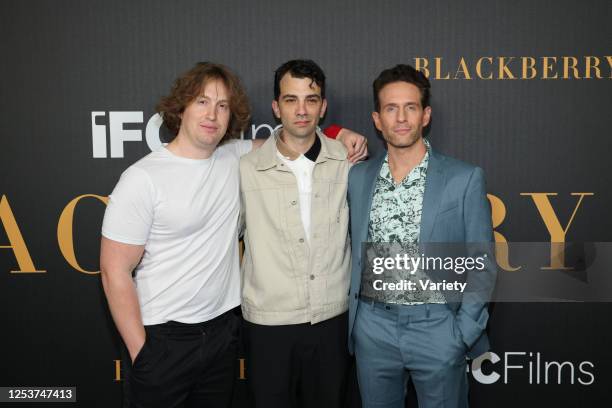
point(172, 222)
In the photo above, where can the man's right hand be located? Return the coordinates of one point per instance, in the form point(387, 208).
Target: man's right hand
point(117, 260)
point(137, 348)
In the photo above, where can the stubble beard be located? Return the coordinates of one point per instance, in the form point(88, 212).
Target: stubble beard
point(297, 133)
point(400, 143)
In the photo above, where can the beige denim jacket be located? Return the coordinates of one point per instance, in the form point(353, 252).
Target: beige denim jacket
point(286, 280)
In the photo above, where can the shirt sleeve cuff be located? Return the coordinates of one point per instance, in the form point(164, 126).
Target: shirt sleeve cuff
point(332, 131)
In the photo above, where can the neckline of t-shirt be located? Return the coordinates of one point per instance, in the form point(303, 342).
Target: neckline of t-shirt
point(300, 160)
point(173, 156)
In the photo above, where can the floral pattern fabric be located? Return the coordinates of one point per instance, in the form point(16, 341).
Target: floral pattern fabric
point(395, 218)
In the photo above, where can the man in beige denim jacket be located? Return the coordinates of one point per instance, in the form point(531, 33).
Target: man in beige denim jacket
point(297, 251)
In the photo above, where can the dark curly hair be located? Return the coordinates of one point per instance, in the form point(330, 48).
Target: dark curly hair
point(189, 86)
point(300, 69)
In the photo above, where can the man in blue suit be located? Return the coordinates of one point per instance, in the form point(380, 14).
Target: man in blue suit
point(412, 195)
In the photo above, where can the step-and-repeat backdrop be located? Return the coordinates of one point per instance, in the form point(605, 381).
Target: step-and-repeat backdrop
point(522, 89)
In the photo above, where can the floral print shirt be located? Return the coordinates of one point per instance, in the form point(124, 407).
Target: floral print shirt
point(395, 221)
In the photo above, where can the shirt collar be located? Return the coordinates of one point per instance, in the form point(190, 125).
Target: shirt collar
point(268, 156)
point(420, 170)
point(286, 151)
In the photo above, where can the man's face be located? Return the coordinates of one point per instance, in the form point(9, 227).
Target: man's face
point(299, 106)
point(204, 121)
point(401, 118)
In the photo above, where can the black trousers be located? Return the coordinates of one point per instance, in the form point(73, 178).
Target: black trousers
point(185, 365)
point(300, 365)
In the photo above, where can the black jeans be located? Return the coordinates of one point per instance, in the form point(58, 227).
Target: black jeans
point(298, 365)
point(185, 365)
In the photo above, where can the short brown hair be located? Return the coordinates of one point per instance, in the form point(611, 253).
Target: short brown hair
point(189, 86)
point(402, 73)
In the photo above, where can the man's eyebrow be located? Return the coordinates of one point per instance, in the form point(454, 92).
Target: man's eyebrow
point(306, 97)
point(204, 96)
point(394, 104)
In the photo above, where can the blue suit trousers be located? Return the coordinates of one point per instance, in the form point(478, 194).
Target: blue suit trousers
point(396, 342)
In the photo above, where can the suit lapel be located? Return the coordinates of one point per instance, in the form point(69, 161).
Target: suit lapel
point(434, 187)
point(368, 185)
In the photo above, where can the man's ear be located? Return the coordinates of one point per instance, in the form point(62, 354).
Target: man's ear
point(426, 116)
point(376, 119)
point(323, 108)
point(275, 108)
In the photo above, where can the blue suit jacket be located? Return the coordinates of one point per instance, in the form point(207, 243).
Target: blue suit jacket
point(455, 209)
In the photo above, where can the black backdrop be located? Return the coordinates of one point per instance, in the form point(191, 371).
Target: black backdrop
point(69, 67)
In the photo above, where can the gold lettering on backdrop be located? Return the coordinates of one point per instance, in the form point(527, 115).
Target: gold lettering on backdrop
point(241, 369)
point(548, 66)
point(463, 69)
point(503, 68)
point(556, 231)
point(479, 68)
point(518, 67)
point(529, 64)
point(592, 62)
point(420, 64)
point(64, 232)
point(17, 243)
point(117, 370)
point(502, 253)
point(567, 66)
point(439, 69)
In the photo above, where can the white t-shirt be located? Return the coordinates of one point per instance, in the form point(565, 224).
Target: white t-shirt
point(302, 169)
point(185, 212)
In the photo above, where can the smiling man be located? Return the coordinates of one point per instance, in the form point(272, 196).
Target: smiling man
point(297, 255)
point(408, 196)
point(172, 222)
